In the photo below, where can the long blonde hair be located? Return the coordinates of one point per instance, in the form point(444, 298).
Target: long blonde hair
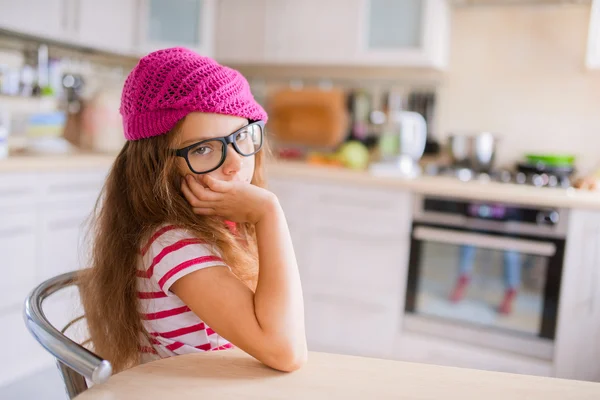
point(142, 192)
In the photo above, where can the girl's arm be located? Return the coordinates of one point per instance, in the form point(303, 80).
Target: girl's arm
point(268, 324)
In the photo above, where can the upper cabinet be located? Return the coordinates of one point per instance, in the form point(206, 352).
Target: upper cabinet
point(412, 33)
point(240, 31)
point(186, 23)
point(98, 24)
point(404, 32)
point(593, 49)
point(45, 18)
point(311, 31)
point(105, 25)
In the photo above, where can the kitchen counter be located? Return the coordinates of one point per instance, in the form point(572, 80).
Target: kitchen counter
point(427, 185)
point(53, 162)
point(232, 374)
point(442, 186)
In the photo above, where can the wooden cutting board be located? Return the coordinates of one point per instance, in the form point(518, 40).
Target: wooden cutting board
point(309, 117)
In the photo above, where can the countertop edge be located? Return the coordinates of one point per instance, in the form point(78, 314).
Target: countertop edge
point(423, 185)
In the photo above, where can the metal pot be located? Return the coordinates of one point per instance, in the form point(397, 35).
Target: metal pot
point(475, 151)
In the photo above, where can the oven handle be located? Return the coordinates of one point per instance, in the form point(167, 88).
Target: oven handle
point(450, 236)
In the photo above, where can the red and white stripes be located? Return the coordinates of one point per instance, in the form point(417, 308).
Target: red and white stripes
point(170, 254)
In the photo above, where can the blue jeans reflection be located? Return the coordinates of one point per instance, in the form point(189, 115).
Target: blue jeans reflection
point(512, 275)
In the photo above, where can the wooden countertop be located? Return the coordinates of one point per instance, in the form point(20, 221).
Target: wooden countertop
point(232, 374)
point(441, 186)
point(54, 162)
point(427, 185)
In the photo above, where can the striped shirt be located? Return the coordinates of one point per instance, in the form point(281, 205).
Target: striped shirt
point(170, 254)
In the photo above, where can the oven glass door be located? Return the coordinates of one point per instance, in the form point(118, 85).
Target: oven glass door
point(485, 279)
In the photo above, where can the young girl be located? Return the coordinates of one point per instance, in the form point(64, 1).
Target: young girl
point(191, 253)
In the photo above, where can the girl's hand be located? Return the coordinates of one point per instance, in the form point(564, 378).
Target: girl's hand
point(235, 201)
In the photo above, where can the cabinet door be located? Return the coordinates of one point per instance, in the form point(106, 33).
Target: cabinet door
point(295, 199)
point(107, 24)
point(404, 32)
point(344, 325)
point(62, 236)
point(578, 328)
point(311, 31)
point(186, 23)
point(18, 246)
point(240, 31)
point(47, 18)
point(22, 355)
point(358, 264)
point(593, 46)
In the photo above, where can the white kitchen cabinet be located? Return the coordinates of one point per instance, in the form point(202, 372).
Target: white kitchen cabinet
point(412, 33)
point(44, 18)
point(593, 45)
point(426, 349)
point(338, 323)
point(578, 329)
point(404, 32)
point(62, 231)
point(18, 246)
point(356, 259)
point(186, 23)
point(240, 31)
point(287, 31)
point(352, 250)
point(311, 31)
point(107, 24)
point(21, 354)
point(42, 221)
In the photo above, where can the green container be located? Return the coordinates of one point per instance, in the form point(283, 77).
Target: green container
point(551, 160)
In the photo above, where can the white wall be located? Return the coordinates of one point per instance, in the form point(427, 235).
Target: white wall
point(519, 71)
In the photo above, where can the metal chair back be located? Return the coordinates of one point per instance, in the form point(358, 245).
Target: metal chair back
point(75, 362)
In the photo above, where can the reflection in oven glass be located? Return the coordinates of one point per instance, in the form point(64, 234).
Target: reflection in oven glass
point(502, 289)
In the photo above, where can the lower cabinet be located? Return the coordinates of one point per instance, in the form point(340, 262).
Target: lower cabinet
point(18, 246)
point(433, 350)
point(352, 250)
point(578, 331)
point(43, 221)
point(344, 324)
point(62, 238)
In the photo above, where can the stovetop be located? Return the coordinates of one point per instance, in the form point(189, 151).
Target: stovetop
point(501, 176)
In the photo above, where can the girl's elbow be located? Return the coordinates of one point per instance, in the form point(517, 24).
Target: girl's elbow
point(289, 359)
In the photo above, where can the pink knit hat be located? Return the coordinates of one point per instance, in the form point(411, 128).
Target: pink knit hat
point(168, 84)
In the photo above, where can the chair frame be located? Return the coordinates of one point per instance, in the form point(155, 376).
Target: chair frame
point(75, 362)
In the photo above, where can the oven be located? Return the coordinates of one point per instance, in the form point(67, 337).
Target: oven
point(486, 273)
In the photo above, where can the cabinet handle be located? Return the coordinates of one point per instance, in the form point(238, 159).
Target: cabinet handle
point(595, 275)
point(67, 223)
point(14, 191)
point(64, 20)
point(80, 187)
point(15, 230)
point(355, 203)
point(76, 22)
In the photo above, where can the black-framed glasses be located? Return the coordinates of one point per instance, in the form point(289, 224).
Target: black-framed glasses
point(208, 155)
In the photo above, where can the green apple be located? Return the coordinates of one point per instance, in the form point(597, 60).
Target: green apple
point(353, 155)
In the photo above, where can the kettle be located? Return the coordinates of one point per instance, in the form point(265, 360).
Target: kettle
point(402, 143)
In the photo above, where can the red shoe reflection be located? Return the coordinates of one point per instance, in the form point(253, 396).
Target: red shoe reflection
point(506, 306)
point(460, 289)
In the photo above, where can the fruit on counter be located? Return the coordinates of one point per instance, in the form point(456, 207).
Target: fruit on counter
point(317, 158)
point(353, 155)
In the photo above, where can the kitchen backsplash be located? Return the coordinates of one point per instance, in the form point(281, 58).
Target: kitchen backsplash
point(514, 70)
point(519, 71)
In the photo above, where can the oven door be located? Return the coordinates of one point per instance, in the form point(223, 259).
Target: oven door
point(496, 289)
